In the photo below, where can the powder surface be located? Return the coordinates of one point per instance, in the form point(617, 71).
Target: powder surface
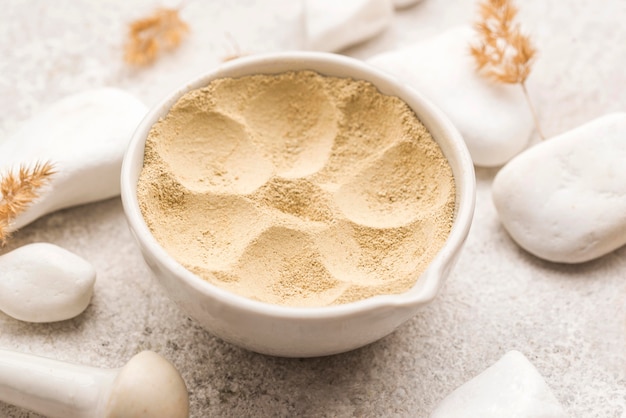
point(297, 189)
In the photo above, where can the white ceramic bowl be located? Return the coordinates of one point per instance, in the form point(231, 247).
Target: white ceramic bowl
point(302, 332)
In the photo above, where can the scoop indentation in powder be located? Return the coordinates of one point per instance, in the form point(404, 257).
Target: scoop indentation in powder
point(368, 126)
point(212, 152)
point(361, 255)
point(295, 123)
point(284, 266)
point(207, 231)
point(394, 190)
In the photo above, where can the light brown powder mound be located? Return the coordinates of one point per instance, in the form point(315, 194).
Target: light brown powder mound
point(297, 189)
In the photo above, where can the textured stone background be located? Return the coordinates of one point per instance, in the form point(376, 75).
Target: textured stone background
point(570, 321)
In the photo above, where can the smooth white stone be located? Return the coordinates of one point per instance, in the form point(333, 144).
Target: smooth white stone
point(85, 135)
point(511, 388)
point(332, 25)
point(44, 283)
point(494, 119)
point(401, 4)
point(564, 199)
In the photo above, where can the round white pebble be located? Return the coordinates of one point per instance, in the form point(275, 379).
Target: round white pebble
point(564, 199)
point(44, 283)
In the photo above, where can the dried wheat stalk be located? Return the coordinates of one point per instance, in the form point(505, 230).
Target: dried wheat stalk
point(147, 37)
point(503, 53)
point(18, 191)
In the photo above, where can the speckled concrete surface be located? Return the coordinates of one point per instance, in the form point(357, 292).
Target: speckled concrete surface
point(570, 321)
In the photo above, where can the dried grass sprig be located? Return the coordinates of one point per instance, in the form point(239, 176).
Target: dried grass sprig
point(503, 52)
point(18, 191)
point(147, 37)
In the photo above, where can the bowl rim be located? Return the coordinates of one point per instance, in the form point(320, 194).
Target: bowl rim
point(427, 284)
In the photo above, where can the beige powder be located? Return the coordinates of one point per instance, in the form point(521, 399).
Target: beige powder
point(297, 189)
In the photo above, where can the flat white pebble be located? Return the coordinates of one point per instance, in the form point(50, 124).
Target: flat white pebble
point(564, 199)
point(511, 388)
point(85, 136)
point(494, 119)
point(332, 25)
point(44, 283)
